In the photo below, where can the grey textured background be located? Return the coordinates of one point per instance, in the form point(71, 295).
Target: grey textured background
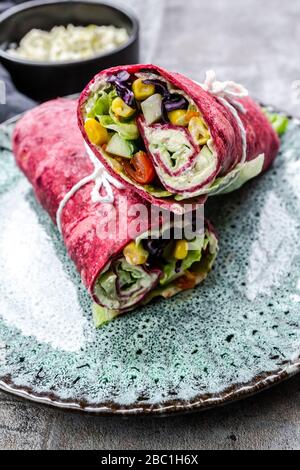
point(256, 43)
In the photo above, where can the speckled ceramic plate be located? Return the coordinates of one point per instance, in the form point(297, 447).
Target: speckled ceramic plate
point(233, 336)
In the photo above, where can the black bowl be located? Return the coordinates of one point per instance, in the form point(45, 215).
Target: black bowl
point(44, 80)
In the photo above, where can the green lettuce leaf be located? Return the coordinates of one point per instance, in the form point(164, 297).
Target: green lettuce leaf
point(126, 130)
point(120, 286)
point(101, 105)
point(247, 172)
point(194, 256)
point(157, 192)
point(279, 122)
point(102, 315)
point(108, 283)
point(238, 177)
point(128, 275)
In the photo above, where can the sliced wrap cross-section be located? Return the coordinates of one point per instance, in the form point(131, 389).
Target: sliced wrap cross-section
point(120, 272)
point(172, 140)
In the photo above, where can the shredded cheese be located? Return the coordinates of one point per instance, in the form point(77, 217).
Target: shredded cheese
point(69, 43)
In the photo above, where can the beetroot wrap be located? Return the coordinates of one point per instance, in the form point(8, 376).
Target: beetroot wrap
point(172, 140)
point(120, 272)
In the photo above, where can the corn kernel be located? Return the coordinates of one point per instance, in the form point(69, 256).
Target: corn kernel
point(178, 117)
point(96, 133)
point(199, 130)
point(135, 254)
point(141, 90)
point(181, 249)
point(121, 109)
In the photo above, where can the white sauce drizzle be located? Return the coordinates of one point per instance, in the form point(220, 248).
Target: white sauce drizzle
point(226, 92)
point(102, 180)
point(240, 125)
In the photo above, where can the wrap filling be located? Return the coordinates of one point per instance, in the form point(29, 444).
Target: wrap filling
point(149, 268)
point(151, 134)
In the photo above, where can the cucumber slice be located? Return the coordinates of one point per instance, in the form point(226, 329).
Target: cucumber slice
point(120, 147)
point(152, 109)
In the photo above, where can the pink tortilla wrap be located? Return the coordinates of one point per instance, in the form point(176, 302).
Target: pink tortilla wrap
point(49, 149)
point(224, 128)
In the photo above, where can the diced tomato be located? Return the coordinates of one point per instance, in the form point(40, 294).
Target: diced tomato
point(140, 168)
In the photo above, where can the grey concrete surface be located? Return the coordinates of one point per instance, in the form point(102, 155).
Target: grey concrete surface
point(270, 420)
point(256, 43)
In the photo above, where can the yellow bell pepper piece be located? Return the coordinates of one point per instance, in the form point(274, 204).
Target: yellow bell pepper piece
point(135, 254)
point(181, 249)
point(121, 109)
point(141, 90)
point(96, 133)
point(199, 130)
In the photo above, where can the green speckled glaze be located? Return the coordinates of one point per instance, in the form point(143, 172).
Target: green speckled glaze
point(232, 336)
